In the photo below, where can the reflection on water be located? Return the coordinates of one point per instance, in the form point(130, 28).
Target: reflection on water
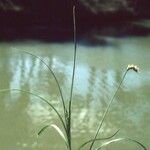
point(98, 72)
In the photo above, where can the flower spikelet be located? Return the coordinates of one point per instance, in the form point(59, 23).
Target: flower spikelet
point(133, 67)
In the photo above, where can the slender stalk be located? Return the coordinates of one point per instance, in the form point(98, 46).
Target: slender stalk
point(75, 53)
point(73, 75)
point(106, 111)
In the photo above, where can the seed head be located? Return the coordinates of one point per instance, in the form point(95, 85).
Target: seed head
point(133, 67)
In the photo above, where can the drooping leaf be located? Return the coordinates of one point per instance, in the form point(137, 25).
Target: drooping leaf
point(54, 76)
point(43, 99)
point(98, 139)
point(59, 132)
point(121, 139)
point(42, 130)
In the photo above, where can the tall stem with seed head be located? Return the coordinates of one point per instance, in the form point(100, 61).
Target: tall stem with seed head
point(130, 67)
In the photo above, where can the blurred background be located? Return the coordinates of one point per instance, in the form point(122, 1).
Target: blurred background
point(52, 19)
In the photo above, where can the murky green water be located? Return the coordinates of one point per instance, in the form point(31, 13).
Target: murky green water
point(98, 72)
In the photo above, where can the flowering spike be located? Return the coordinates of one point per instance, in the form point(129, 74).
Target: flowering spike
point(133, 67)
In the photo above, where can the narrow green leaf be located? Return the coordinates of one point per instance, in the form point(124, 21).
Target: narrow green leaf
point(121, 139)
point(42, 130)
point(98, 139)
point(54, 76)
point(43, 99)
point(60, 132)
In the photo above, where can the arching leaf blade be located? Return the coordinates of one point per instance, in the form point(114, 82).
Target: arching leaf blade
point(121, 139)
point(98, 139)
point(42, 130)
point(60, 132)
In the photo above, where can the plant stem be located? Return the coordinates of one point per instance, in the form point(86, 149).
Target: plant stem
point(75, 53)
point(73, 75)
point(106, 111)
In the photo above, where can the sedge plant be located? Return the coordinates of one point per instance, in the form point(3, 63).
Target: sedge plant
point(66, 118)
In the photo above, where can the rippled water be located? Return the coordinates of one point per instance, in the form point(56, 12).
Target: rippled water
point(98, 72)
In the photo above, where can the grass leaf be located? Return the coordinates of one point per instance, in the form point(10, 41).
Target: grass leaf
point(43, 99)
point(98, 139)
point(54, 76)
point(60, 132)
point(42, 130)
point(121, 139)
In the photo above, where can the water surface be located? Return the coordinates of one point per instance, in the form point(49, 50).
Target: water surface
point(99, 70)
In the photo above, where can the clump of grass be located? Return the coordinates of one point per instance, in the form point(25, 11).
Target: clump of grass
point(66, 118)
